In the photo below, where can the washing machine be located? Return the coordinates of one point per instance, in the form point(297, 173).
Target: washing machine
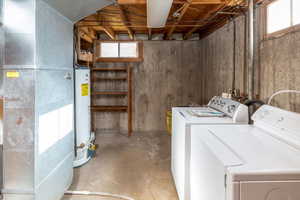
point(249, 162)
point(219, 111)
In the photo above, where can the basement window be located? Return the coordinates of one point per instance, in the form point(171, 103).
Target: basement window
point(119, 51)
point(282, 15)
point(109, 50)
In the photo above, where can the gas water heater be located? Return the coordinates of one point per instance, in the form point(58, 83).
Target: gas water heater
point(84, 137)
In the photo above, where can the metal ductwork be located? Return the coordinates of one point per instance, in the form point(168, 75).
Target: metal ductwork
point(158, 12)
point(75, 10)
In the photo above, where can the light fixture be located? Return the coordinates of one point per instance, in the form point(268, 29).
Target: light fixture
point(176, 14)
point(158, 12)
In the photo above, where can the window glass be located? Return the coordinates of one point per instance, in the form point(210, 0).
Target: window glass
point(128, 50)
point(296, 12)
point(109, 50)
point(279, 15)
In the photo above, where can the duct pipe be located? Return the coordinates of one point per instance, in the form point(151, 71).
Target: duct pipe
point(250, 59)
point(158, 12)
point(234, 56)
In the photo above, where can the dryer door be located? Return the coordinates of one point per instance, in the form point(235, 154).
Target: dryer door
point(286, 190)
point(209, 160)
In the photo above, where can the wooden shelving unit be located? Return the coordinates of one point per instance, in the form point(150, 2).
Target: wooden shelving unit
point(120, 76)
point(109, 108)
point(110, 79)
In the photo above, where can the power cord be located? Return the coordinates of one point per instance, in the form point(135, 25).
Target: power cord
point(282, 92)
point(102, 194)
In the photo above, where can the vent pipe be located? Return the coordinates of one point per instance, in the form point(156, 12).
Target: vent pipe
point(250, 56)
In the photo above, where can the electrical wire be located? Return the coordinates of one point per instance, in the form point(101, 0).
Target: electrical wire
point(282, 92)
point(102, 194)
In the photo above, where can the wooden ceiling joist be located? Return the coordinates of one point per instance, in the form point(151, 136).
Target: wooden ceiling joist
point(85, 36)
point(186, 17)
point(125, 21)
point(203, 20)
point(98, 27)
point(87, 33)
point(90, 31)
point(195, 2)
point(108, 30)
point(183, 10)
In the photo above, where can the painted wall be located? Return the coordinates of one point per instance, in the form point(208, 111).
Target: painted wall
point(169, 76)
point(277, 64)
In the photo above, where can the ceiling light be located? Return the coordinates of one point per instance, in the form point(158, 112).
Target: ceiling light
point(158, 12)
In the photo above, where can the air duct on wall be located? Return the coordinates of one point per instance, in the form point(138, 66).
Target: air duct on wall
point(158, 12)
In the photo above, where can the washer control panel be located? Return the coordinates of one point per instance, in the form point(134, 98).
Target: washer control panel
point(227, 106)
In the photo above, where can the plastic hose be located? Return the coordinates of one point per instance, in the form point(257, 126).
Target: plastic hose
point(102, 194)
point(281, 92)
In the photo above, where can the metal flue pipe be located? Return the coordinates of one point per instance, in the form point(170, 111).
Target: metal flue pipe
point(250, 56)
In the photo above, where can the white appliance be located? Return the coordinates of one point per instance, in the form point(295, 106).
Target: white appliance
point(249, 162)
point(219, 111)
point(84, 137)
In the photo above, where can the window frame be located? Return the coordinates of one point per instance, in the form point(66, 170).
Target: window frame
point(281, 32)
point(97, 50)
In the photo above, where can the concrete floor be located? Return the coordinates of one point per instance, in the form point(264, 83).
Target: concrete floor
point(138, 167)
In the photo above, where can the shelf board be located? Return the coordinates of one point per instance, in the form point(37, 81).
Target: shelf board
point(110, 93)
point(85, 57)
point(109, 108)
point(119, 69)
point(110, 79)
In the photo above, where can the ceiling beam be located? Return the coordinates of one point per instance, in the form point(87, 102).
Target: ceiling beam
point(195, 2)
point(183, 10)
point(95, 26)
point(125, 21)
point(89, 31)
point(203, 20)
point(98, 27)
point(108, 30)
point(85, 36)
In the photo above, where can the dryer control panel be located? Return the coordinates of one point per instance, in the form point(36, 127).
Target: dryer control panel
point(234, 109)
point(280, 123)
